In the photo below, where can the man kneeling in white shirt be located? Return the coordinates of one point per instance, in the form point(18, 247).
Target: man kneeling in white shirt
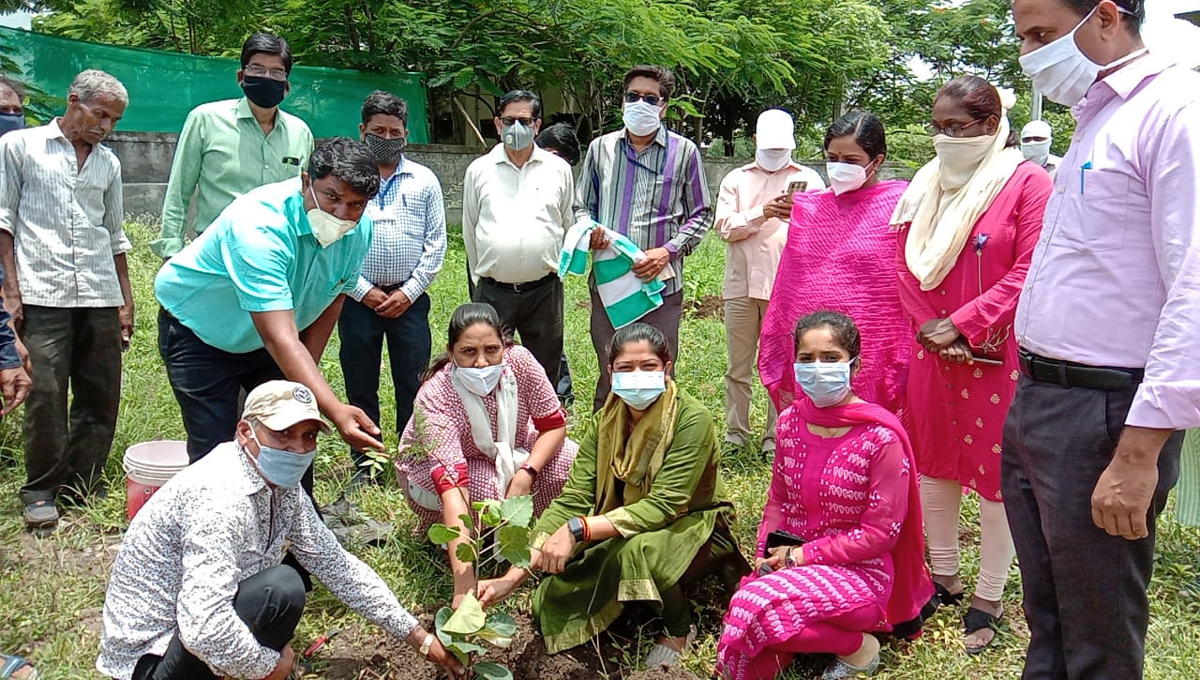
point(198, 589)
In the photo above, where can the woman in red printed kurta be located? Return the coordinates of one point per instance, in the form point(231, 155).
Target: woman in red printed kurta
point(487, 424)
point(969, 224)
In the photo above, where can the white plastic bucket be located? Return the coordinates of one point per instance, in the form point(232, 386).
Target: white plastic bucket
point(148, 466)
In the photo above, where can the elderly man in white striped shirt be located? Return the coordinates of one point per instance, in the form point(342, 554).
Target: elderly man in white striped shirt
point(66, 284)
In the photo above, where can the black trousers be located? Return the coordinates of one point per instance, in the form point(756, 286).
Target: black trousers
point(270, 603)
point(1085, 591)
point(73, 351)
point(536, 315)
point(362, 333)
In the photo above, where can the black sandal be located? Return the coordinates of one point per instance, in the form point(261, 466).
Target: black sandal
point(941, 598)
point(976, 620)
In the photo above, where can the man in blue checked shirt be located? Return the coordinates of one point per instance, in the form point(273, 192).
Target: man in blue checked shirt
point(406, 253)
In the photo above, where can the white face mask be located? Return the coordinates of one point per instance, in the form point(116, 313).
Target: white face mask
point(1062, 72)
point(827, 384)
point(327, 228)
point(639, 389)
point(641, 118)
point(1038, 152)
point(960, 157)
point(480, 381)
point(845, 177)
point(772, 160)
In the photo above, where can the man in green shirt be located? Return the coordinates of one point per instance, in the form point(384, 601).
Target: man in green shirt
point(257, 296)
point(231, 146)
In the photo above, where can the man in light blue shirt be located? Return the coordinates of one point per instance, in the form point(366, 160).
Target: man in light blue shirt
point(406, 253)
point(256, 296)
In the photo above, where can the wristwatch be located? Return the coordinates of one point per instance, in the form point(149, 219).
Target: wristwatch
point(533, 472)
point(789, 560)
point(426, 645)
point(575, 526)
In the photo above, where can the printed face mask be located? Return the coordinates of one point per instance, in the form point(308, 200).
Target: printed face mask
point(825, 383)
point(387, 151)
point(639, 389)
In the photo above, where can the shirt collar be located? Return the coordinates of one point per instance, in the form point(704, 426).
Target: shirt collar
point(1126, 80)
point(55, 130)
point(499, 155)
point(248, 482)
point(660, 137)
point(243, 108)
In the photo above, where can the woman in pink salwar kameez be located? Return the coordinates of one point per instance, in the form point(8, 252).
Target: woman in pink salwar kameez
point(845, 483)
point(840, 255)
point(968, 222)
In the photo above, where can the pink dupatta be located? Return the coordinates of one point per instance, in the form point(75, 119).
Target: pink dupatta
point(912, 586)
point(841, 256)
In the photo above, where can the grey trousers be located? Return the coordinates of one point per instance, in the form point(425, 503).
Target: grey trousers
point(665, 319)
point(1085, 591)
point(73, 351)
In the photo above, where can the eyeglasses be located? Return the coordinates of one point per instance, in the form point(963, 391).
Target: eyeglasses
point(651, 99)
point(509, 120)
point(272, 73)
point(949, 130)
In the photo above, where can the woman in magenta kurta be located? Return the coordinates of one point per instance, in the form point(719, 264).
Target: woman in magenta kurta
point(844, 482)
point(973, 218)
point(840, 255)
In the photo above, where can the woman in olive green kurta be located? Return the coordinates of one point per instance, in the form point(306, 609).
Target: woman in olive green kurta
point(645, 497)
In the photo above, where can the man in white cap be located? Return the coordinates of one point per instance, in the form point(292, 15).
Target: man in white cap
point(1036, 137)
point(753, 207)
point(198, 589)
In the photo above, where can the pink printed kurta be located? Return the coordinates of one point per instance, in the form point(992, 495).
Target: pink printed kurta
point(840, 255)
point(956, 412)
point(848, 497)
point(448, 441)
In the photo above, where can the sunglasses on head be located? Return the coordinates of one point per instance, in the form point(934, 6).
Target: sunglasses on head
point(651, 99)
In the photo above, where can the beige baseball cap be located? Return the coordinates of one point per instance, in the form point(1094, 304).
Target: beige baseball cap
point(280, 404)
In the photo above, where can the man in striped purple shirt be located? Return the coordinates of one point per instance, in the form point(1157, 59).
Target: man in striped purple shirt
point(647, 183)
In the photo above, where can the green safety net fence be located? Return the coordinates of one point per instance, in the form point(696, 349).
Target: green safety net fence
point(165, 86)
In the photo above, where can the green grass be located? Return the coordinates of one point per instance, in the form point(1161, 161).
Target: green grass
point(51, 590)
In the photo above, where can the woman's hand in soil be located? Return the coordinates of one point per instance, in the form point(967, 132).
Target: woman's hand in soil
point(556, 550)
point(496, 590)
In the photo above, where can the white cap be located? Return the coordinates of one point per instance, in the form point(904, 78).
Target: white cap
point(280, 404)
point(775, 130)
point(1036, 128)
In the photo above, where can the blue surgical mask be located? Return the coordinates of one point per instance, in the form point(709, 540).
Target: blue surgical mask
point(825, 383)
point(11, 121)
point(281, 468)
point(639, 389)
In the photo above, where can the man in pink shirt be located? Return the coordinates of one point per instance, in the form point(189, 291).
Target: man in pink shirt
point(752, 217)
point(1107, 325)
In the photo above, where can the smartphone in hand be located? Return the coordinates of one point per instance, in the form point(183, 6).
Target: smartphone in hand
point(798, 185)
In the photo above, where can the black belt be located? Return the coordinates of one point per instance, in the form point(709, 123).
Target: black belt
point(519, 287)
point(390, 288)
point(1071, 374)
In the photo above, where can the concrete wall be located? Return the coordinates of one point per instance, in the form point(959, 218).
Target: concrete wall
point(146, 164)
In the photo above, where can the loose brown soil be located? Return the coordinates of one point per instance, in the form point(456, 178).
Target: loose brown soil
point(353, 656)
point(709, 306)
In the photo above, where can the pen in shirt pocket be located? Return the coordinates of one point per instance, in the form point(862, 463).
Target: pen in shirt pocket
point(1082, 171)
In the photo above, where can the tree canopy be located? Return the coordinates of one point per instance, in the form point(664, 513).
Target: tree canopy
point(732, 58)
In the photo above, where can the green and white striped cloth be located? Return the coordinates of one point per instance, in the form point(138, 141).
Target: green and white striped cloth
point(1187, 491)
point(626, 298)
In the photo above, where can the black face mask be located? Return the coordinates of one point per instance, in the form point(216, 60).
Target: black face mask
point(263, 91)
point(387, 151)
